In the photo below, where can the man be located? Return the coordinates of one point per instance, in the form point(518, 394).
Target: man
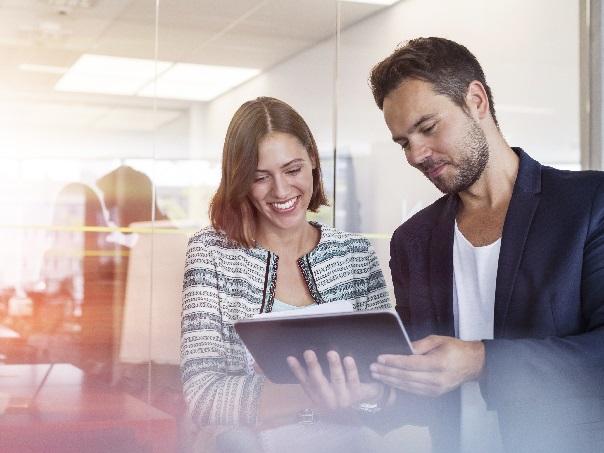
point(501, 281)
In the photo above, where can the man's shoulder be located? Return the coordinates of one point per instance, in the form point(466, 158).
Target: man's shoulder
point(569, 191)
point(421, 223)
point(576, 181)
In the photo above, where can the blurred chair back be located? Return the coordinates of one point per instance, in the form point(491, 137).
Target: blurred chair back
point(151, 323)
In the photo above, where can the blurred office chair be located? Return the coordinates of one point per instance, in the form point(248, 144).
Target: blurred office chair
point(151, 321)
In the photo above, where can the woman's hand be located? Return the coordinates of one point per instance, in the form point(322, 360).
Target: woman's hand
point(343, 389)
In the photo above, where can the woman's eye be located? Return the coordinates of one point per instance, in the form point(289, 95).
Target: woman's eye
point(260, 178)
point(294, 171)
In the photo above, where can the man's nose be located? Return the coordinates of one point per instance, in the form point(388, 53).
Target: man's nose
point(417, 152)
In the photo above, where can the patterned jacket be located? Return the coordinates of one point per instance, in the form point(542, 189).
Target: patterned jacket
point(224, 282)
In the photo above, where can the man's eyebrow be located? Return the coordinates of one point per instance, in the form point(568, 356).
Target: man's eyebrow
point(418, 123)
point(287, 164)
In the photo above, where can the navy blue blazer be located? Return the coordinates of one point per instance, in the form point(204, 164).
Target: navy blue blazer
point(544, 370)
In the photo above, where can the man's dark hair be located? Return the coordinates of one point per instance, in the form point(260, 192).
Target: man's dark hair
point(448, 66)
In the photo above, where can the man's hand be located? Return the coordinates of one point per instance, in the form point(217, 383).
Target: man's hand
point(441, 364)
point(342, 390)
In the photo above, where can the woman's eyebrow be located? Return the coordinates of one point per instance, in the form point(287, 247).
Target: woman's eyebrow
point(294, 161)
point(287, 164)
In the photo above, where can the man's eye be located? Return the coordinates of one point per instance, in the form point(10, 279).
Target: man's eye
point(429, 129)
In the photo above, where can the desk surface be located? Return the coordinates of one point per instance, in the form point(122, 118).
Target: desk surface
point(67, 405)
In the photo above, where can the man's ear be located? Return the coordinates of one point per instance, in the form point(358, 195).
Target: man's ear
point(477, 100)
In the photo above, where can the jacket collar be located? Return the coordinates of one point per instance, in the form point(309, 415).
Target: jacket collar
point(522, 207)
point(518, 221)
point(441, 267)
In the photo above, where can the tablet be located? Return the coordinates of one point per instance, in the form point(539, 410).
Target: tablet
point(362, 335)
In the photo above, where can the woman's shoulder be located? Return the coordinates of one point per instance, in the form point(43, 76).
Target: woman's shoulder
point(210, 237)
point(215, 241)
point(218, 244)
point(334, 237)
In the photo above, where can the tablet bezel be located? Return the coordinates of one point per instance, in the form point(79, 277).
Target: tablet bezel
point(361, 334)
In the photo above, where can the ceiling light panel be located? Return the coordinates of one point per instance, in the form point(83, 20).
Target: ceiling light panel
point(135, 77)
point(109, 75)
point(197, 82)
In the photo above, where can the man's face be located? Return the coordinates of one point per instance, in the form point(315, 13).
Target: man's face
point(438, 137)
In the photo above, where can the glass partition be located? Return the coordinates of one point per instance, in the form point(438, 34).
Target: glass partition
point(78, 136)
point(113, 119)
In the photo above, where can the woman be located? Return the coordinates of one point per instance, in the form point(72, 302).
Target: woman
point(262, 255)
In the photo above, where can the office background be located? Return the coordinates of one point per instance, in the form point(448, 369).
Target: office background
point(112, 119)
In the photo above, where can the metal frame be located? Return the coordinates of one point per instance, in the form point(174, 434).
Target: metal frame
point(591, 76)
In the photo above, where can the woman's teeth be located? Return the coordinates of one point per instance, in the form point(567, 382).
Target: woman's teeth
point(286, 205)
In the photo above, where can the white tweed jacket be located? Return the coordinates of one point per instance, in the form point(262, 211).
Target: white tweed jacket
point(225, 282)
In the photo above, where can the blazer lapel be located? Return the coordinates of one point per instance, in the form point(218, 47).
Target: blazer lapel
point(521, 210)
point(441, 268)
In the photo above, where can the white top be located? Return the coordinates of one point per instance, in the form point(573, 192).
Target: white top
point(474, 280)
point(284, 306)
point(474, 277)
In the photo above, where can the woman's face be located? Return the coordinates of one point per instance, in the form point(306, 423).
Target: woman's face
point(283, 184)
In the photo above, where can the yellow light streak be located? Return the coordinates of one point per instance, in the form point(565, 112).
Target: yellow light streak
point(86, 253)
point(138, 230)
point(98, 229)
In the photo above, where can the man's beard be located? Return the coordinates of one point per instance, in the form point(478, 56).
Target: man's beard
point(474, 155)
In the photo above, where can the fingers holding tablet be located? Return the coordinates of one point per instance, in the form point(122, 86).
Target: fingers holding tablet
point(343, 388)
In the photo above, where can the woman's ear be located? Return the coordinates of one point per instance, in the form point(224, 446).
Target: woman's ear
point(477, 100)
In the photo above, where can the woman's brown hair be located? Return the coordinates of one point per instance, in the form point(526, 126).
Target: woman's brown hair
point(231, 211)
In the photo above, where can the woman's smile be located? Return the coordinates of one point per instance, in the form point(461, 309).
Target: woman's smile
point(285, 206)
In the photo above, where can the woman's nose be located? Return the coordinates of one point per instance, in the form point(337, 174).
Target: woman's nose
point(280, 187)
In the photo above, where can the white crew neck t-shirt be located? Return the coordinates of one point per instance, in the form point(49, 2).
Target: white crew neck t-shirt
point(474, 280)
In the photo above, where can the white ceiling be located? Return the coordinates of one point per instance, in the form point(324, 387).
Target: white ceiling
point(248, 33)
